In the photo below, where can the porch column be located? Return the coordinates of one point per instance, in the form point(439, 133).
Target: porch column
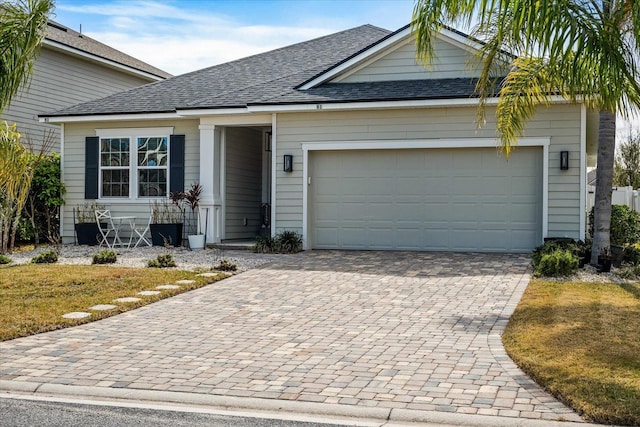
point(210, 201)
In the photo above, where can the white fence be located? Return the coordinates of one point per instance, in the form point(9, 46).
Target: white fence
point(620, 196)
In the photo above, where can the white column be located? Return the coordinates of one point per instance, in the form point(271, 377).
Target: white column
point(274, 156)
point(210, 181)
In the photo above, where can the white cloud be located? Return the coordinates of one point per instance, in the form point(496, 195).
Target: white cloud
point(141, 9)
point(180, 53)
point(179, 41)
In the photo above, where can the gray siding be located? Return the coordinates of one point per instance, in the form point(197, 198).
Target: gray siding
point(73, 167)
point(401, 64)
point(60, 80)
point(561, 123)
point(243, 192)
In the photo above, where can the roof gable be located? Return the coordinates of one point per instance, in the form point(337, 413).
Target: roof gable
point(393, 58)
point(400, 63)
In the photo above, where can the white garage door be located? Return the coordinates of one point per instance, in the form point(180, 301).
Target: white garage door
point(426, 199)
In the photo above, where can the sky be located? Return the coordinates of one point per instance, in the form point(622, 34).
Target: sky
point(179, 36)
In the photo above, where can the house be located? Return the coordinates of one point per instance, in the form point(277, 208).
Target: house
point(72, 68)
point(346, 139)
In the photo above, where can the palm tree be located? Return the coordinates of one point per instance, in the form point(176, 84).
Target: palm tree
point(583, 50)
point(23, 25)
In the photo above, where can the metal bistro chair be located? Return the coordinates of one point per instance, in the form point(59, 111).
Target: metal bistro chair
point(142, 234)
point(106, 228)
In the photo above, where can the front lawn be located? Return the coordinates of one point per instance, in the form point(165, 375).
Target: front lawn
point(33, 298)
point(581, 341)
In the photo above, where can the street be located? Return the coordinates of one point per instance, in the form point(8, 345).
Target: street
point(32, 413)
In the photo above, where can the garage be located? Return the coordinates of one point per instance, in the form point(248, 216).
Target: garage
point(441, 199)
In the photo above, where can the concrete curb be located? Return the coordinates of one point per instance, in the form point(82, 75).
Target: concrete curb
point(320, 411)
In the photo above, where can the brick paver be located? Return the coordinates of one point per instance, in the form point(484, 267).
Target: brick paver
point(379, 329)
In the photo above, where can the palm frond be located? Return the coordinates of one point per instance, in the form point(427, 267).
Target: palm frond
point(528, 85)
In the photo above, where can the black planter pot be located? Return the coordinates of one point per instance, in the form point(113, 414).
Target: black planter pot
point(87, 233)
point(604, 264)
point(584, 259)
point(170, 234)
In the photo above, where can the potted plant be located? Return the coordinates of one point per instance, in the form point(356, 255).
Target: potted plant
point(167, 219)
point(604, 262)
point(192, 201)
point(84, 223)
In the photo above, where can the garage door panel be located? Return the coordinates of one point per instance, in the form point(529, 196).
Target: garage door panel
point(465, 185)
point(522, 215)
point(494, 213)
point(431, 199)
point(434, 187)
point(437, 240)
point(327, 237)
point(496, 186)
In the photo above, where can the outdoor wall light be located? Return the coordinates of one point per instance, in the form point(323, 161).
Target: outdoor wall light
point(288, 163)
point(564, 160)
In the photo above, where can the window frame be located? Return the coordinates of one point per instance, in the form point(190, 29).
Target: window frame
point(133, 134)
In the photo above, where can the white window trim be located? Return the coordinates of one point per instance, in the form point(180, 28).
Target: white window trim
point(133, 134)
point(420, 143)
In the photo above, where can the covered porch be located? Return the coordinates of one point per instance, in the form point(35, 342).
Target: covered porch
point(235, 172)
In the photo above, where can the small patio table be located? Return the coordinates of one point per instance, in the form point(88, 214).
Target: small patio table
point(119, 222)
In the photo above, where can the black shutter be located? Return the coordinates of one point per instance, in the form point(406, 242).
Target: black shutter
point(176, 163)
point(91, 159)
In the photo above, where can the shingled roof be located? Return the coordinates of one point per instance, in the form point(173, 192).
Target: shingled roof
point(66, 36)
point(273, 78)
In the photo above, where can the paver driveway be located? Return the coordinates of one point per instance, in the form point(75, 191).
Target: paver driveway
point(381, 329)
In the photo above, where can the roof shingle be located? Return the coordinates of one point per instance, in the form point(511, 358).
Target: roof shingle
point(68, 37)
point(273, 78)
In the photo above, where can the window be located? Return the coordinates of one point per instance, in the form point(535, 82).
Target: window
point(114, 166)
point(152, 166)
point(134, 163)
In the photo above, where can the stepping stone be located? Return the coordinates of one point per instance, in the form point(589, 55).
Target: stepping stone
point(103, 307)
point(76, 315)
point(168, 287)
point(148, 293)
point(127, 299)
point(208, 274)
point(185, 282)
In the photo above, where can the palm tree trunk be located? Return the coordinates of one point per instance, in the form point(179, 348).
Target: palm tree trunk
point(604, 182)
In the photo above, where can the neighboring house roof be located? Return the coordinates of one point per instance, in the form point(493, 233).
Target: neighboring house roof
point(64, 38)
point(274, 78)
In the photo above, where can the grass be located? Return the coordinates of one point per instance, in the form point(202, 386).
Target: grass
point(33, 298)
point(581, 341)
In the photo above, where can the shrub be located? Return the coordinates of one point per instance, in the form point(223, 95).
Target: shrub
point(632, 254)
point(289, 242)
point(554, 245)
point(286, 242)
point(265, 245)
point(631, 272)
point(4, 259)
point(560, 262)
point(162, 261)
point(225, 266)
point(41, 212)
point(625, 225)
point(46, 257)
point(104, 257)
